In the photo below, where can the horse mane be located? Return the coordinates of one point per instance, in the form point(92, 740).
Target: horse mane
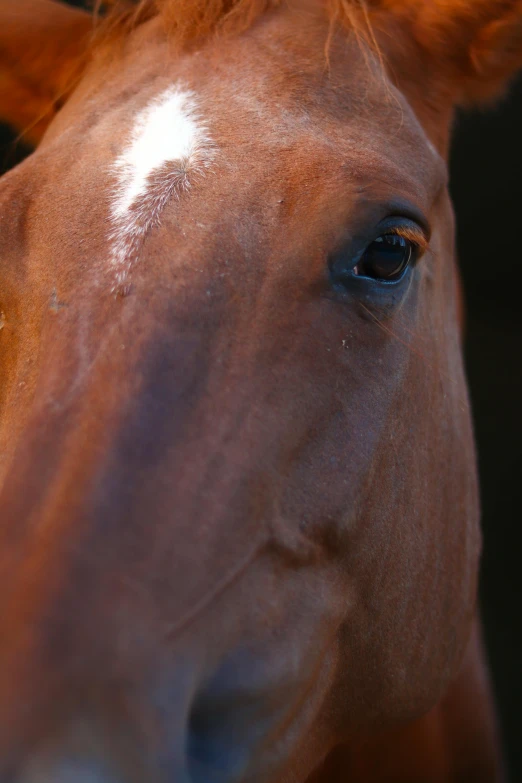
point(189, 21)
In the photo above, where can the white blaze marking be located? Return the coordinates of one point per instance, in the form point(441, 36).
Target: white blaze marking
point(170, 141)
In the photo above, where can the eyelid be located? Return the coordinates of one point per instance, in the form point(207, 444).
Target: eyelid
point(409, 231)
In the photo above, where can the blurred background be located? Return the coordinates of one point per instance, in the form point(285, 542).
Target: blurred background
point(486, 184)
point(486, 176)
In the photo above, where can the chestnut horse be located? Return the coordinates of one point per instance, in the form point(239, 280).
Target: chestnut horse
point(239, 522)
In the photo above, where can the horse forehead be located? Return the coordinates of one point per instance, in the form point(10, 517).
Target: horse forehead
point(165, 136)
point(181, 128)
point(254, 82)
point(250, 119)
point(264, 91)
point(182, 118)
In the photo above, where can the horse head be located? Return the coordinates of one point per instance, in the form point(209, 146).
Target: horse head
point(238, 496)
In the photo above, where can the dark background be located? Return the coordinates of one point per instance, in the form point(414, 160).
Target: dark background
point(486, 183)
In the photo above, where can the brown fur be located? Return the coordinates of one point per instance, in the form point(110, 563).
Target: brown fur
point(478, 43)
point(472, 47)
point(238, 504)
point(37, 75)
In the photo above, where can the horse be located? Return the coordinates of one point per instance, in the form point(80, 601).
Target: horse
point(239, 517)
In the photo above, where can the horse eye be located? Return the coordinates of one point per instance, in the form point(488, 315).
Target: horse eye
point(386, 258)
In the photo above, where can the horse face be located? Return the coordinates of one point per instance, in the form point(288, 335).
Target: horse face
point(239, 514)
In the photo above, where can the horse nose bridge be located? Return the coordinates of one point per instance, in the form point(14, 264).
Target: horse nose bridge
point(134, 405)
point(137, 476)
point(130, 511)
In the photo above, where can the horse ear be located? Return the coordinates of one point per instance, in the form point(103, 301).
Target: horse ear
point(474, 46)
point(43, 45)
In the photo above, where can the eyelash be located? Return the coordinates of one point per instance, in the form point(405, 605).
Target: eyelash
point(413, 235)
